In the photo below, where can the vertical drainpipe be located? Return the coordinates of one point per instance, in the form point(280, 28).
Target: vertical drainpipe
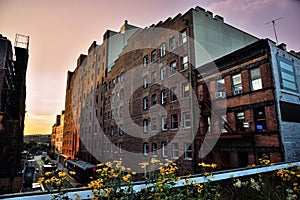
point(187, 23)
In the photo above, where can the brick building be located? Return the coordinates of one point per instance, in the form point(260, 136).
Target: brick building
point(13, 66)
point(133, 95)
point(169, 49)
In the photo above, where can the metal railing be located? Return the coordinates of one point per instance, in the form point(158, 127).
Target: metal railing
point(138, 186)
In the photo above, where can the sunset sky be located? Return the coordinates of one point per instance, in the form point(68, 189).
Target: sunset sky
point(60, 30)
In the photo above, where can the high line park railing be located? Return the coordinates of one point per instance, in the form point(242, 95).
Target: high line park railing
point(138, 186)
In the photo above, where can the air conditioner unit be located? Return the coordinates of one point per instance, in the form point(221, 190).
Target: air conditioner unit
point(220, 95)
point(238, 91)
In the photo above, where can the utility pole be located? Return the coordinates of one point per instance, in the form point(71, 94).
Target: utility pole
point(273, 23)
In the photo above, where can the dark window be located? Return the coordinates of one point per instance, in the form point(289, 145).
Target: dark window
point(173, 67)
point(243, 160)
point(240, 119)
point(187, 151)
point(153, 56)
point(290, 112)
point(153, 99)
point(260, 119)
point(174, 121)
point(173, 95)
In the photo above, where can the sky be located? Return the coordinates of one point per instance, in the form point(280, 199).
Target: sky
point(61, 30)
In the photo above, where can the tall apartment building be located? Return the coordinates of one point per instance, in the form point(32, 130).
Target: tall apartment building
point(57, 136)
point(173, 48)
point(13, 66)
point(81, 93)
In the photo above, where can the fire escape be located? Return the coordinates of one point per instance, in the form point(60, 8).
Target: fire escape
point(12, 113)
point(207, 131)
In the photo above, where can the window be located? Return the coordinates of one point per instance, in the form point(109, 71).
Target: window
point(145, 61)
point(237, 84)
point(260, 119)
point(145, 103)
point(173, 95)
point(145, 85)
point(175, 152)
point(186, 120)
point(120, 147)
point(153, 99)
point(163, 97)
point(122, 94)
point(153, 77)
point(145, 125)
point(162, 50)
point(153, 124)
point(182, 37)
point(154, 149)
point(184, 63)
point(185, 90)
point(173, 67)
point(116, 113)
point(112, 114)
point(240, 119)
point(121, 129)
point(255, 79)
point(112, 130)
point(187, 151)
point(121, 111)
point(145, 148)
point(172, 43)
point(220, 85)
point(163, 72)
point(164, 149)
point(163, 123)
point(174, 121)
point(153, 56)
point(287, 75)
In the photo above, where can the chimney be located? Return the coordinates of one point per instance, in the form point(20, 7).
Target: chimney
point(282, 46)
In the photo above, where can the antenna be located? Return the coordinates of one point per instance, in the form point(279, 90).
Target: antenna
point(273, 22)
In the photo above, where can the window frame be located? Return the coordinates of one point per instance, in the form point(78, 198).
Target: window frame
point(175, 150)
point(162, 50)
point(184, 60)
point(188, 150)
point(164, 123)
point(254, 79)
point(163, 73)
point(237, 86)
point(174, 121)
point(164, 149)
point(185, 120)
point(172, 69)
point(163, 95)
point(145, 61)
point(183, 36)
point(154, 149)
point(145, 149)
